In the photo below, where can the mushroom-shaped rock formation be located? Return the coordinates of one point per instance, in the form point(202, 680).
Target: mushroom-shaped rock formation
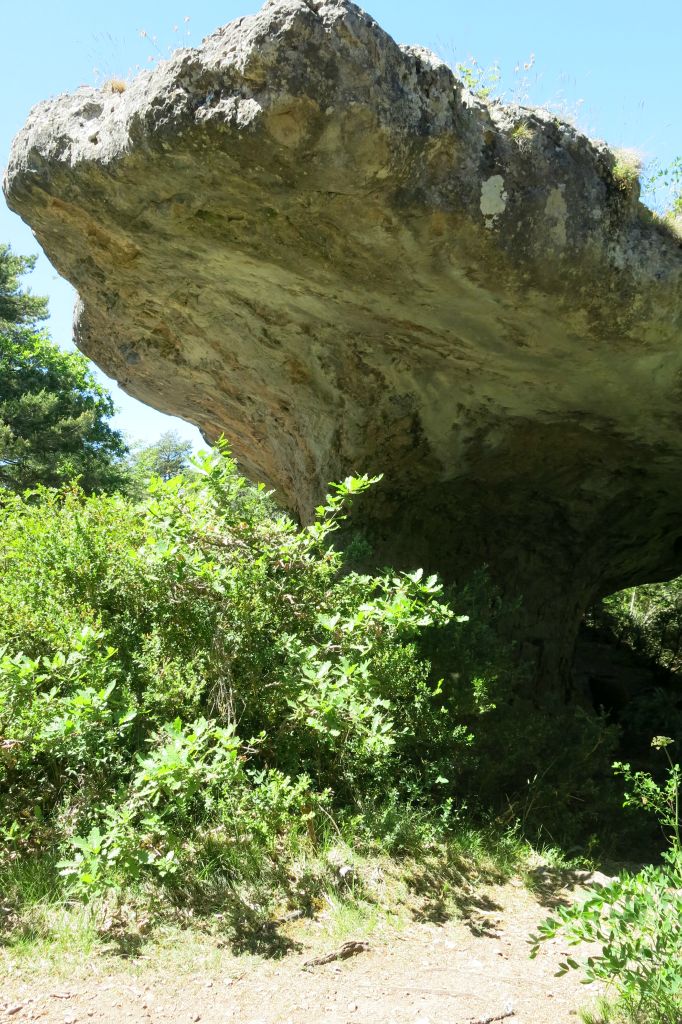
point(321, 244)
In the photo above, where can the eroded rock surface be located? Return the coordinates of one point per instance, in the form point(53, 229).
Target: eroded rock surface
point(319, 243)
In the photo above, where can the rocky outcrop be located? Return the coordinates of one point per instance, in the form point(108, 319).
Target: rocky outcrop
point(321, 244)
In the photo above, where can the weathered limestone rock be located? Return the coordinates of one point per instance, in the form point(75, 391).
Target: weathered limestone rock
point(319, 243)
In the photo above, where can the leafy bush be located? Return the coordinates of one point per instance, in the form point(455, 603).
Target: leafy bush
point(637, 918)
point(193, 689)
point(188, 678)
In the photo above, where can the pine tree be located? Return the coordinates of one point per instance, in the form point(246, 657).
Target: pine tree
point(53, 413)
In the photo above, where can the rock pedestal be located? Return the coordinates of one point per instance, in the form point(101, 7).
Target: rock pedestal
point(320, 244)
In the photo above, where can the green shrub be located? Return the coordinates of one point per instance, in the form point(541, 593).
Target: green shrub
point(192, 688)
point(185, 676)
point(637, 918)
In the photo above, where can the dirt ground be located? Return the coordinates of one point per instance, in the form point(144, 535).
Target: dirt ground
point(474, 969)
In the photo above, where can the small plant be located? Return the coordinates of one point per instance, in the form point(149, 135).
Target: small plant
point(637, 918)
point(626, 169)
point(479, 80)
point(116, 85)
point(663, 801)
point(522, 134)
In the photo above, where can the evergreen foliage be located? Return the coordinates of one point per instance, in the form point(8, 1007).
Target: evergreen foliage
point(18, 306)
point(53, 414)
point(166, 457)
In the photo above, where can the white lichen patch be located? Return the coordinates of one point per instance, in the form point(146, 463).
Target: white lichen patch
point(493, 199)
point(555, 211)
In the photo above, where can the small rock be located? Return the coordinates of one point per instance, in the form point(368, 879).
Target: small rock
point(599, 878)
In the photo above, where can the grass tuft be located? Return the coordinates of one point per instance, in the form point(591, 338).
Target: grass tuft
point(627, 168)
point(522, 134)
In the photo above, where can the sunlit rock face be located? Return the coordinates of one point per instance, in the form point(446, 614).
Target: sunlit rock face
point(320, 244)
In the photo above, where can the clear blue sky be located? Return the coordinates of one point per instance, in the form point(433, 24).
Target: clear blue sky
point(615, 65)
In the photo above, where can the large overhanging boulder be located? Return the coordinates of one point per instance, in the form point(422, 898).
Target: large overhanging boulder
point(319, 243)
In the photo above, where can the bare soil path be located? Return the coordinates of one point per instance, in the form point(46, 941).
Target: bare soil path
point(462, 971)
